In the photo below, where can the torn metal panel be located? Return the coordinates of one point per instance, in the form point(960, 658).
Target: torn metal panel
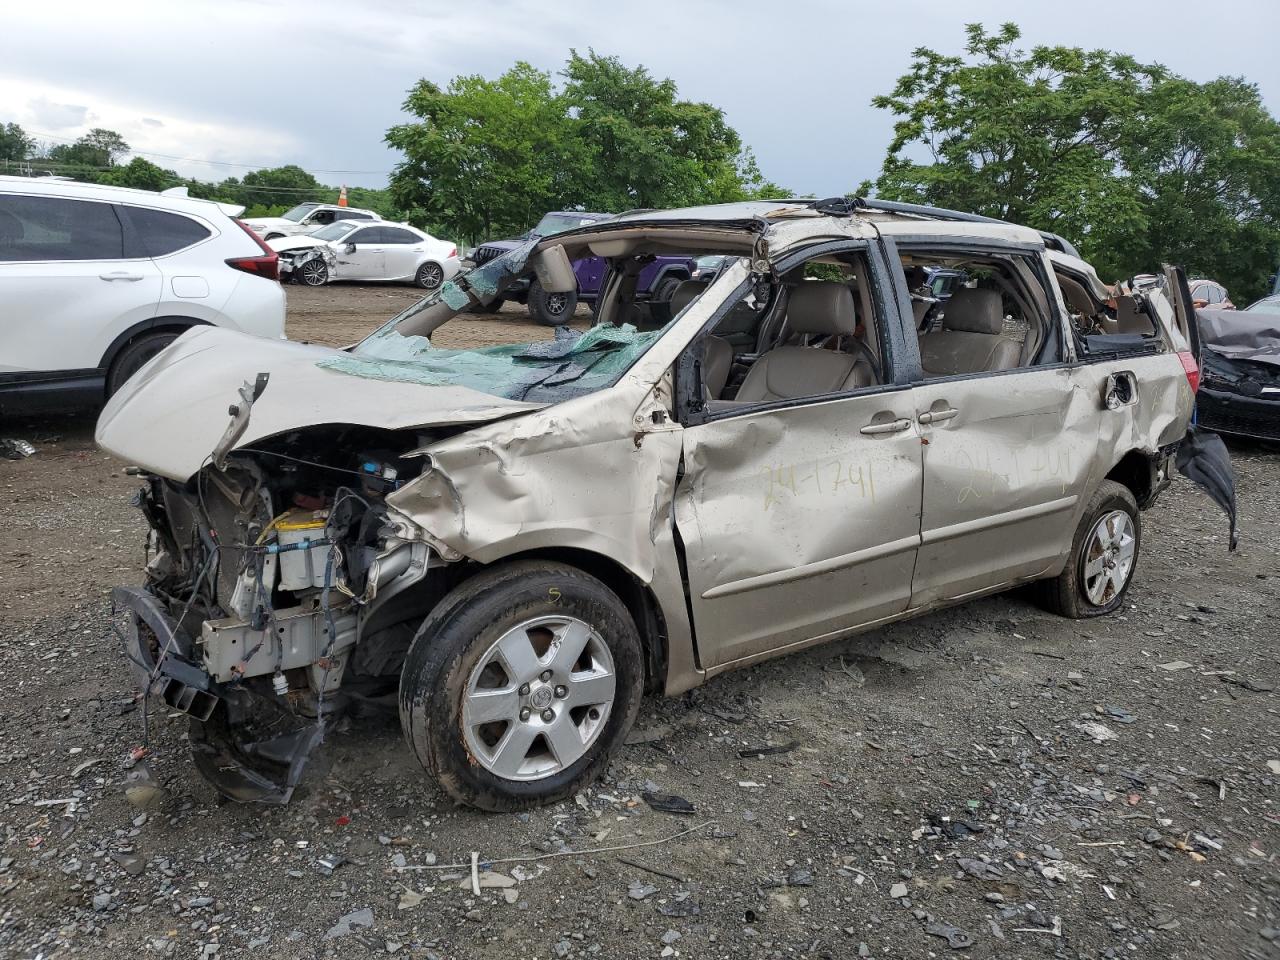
point(566, 476)
point(1203, 459)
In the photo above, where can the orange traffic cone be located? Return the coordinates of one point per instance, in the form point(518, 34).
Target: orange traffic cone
point(342, 196)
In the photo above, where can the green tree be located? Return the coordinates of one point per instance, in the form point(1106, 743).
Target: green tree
point(486, 157)
point(14, 143)
point(276, 186)
point(141, 174)
point(1132, 163)
point(97, 149)
point(648, 147)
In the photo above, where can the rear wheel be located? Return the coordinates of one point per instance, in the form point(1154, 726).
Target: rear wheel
point(551, 309)
point(521, 684)
point(660, 302)
point(132, 358)
point(1104, 554)
point(429, 276)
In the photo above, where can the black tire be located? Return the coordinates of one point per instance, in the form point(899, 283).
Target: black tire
point(429, 276)
point(313, 273)
point(134, 355)
point(551, 309)
point(660, 301)
point(493, 306)
point(461, 630)
point(1066, 594)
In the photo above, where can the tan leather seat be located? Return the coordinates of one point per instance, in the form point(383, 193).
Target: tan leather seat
point(971, 339)
point(820, 307)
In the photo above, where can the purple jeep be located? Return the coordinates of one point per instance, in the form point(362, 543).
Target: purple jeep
point(656, 283)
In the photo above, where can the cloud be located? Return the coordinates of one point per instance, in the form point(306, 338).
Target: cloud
point(57, 116)
point(320, 89)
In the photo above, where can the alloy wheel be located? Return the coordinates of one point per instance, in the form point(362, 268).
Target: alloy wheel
point(538, 698)
point(1108, 557)
point(430, 276)
point(314, 272)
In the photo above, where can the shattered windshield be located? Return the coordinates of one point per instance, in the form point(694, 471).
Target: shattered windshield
point(298, 212)
point(572, 364)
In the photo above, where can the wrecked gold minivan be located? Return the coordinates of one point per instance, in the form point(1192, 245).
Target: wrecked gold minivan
point(514, 543)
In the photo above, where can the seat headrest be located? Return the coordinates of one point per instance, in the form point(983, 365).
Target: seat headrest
point(974, 310)
point(822, 306)
point(685, 294)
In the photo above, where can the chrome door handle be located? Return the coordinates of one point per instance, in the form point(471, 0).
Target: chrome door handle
point(120, 275)
point(890, 426)
point(937, 416)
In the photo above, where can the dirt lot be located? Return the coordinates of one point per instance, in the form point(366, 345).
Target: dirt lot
point(990, 775)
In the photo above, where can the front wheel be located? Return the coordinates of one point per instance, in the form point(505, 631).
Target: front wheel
point(429, 276)
point(313, 273)
point(551, 309)
point(520, 685)
point(1104, 554)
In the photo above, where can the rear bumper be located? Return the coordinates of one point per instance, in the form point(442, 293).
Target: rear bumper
point(1233, 413)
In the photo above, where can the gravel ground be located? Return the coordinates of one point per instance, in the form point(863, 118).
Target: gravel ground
point(989, 779)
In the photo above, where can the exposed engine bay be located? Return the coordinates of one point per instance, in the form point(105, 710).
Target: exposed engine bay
point(260, 578)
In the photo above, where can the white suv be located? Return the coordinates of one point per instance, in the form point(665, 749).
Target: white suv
point(95, 281)
point(304, 219)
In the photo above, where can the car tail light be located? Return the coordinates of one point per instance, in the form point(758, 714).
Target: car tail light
point(453, 252)
point(1191, 368)
point(266, 266)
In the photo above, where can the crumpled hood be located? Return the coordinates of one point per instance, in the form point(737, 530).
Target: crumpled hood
point(1241, 334)
point(293, 243)
point(169, 416)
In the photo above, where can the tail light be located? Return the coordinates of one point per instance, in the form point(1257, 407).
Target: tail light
point(266, 266)
point(1190, 368)
point(453, 252)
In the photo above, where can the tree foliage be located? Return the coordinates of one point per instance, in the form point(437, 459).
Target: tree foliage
point(15, 145)
point(488, 157)
point(98, 148)
point(1133, 163)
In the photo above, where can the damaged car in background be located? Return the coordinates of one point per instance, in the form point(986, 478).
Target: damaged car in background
point(350, 250)
point(514, 543)
point(1240, 392)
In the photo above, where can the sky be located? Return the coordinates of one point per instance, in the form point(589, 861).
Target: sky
point(213, 89)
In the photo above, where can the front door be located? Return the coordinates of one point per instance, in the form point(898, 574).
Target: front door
point(367, 261)
point(798, 523)
point(799, 502)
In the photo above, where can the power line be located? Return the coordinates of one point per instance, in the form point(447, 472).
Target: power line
point(217, 163)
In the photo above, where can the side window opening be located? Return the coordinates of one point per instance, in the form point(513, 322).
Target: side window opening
point(1118, 322)
point(813, 332)
point(978, 312)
